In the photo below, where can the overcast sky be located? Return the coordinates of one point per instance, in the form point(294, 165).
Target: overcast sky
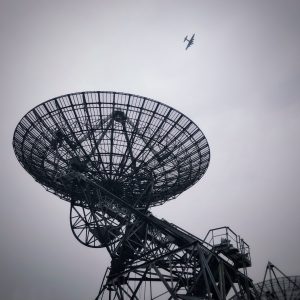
point(239, 83)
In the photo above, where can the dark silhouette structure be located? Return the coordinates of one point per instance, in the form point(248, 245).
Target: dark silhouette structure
point(113, 156)
point(276, 285)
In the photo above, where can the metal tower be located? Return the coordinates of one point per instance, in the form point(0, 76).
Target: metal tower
point(113, 156)
point(277, 285)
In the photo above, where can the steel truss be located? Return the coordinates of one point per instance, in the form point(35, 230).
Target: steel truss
point(113, 156)
point(152, 258)
point(190, 272)
point(277, 285)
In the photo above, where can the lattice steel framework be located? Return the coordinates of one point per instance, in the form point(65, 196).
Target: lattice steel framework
point(276, 285)
point(113, 156)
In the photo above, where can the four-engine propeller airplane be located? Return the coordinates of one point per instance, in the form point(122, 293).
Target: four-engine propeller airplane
point(190, 41)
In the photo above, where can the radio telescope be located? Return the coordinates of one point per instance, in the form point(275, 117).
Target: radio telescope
point(113, 156)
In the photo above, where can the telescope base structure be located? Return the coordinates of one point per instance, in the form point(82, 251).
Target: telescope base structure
point(154, 259)
point(188, 273)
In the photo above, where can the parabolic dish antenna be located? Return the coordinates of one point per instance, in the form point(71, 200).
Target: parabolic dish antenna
point(112, 156)
point(119, 141)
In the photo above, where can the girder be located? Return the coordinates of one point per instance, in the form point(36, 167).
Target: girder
point(148, 250)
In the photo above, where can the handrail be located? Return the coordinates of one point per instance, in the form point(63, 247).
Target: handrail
point(215, 237)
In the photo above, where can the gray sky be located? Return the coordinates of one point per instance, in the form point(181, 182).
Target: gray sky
point(239, 82)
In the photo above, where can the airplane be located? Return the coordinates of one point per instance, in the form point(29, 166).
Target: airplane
point(190, 41)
